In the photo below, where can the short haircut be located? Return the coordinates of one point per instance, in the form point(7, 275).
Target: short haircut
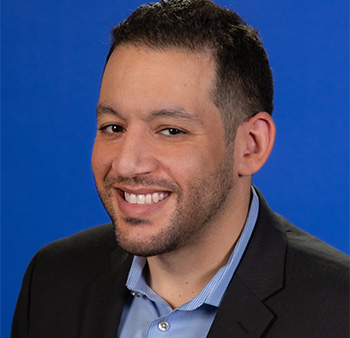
point(243, 85)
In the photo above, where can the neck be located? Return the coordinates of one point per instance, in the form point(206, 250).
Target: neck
point(180, 275)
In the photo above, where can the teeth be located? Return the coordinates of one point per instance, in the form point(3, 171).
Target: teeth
point(148, 199)
point(155, 197)
point(142, 199)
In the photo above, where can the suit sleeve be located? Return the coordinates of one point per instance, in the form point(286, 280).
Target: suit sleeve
point(21, 319)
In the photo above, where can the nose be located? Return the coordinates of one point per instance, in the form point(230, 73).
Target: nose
point(135, 155)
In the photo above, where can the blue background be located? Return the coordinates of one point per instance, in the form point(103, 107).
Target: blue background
point(52, 59)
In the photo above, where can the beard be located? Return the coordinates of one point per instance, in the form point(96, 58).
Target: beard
point(197, 208)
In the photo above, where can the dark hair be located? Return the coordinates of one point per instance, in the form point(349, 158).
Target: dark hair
point(243, 84)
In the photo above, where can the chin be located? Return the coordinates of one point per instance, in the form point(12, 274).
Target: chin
point(140, 248)
point(145, 245)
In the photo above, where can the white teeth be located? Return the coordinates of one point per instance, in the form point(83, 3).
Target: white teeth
point(142, 199)
point(155, 197)
point(148, 199)
point(132, 199)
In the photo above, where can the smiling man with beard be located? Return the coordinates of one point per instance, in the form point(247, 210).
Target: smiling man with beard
point(183, 122)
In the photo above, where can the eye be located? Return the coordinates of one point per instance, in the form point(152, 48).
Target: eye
point(172, 131)
point(112, 129)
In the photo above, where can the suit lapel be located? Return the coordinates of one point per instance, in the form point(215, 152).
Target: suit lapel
point(106, 299)
point(242, 316)
point(260, 274)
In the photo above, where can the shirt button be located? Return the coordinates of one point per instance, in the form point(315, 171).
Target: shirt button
point(163, 326)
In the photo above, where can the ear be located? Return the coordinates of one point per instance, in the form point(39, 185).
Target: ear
point(254, 142)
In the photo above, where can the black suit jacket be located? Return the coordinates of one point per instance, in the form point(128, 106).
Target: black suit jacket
point(288, 284)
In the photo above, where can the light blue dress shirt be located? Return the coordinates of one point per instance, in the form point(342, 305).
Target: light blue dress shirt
point(148, 315)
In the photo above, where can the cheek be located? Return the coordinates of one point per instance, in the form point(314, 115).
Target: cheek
point(100, 161)
point(209, 156)
point(192, 164)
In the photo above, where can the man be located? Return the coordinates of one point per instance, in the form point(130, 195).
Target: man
point(184, 121)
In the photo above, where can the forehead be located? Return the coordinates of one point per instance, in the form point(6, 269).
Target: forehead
point(167, 59)
point(140, 77)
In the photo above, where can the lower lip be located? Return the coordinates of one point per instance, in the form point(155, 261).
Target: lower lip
point(137, 210)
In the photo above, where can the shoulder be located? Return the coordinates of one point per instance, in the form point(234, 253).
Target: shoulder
point(85, 253)
point(67, 268)
point(97, 237)
point(307, 259)
point(311, 268)
point(315, 263)
point(304, 243)
point(68, 280)
point(312, 298)
point(302, 250)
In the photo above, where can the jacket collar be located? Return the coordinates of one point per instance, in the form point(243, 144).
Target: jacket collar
point(106, 298)
point(260, 274)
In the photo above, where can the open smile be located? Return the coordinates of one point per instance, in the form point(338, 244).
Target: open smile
point(142, 199)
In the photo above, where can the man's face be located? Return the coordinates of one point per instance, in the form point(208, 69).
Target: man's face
point(159, 160)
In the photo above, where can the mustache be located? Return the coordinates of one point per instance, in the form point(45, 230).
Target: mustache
point(111, 181)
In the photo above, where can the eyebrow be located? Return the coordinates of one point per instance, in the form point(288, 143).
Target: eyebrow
point(105, 110)
point(177, 113)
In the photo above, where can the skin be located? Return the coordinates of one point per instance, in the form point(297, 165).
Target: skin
point(159, 131)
